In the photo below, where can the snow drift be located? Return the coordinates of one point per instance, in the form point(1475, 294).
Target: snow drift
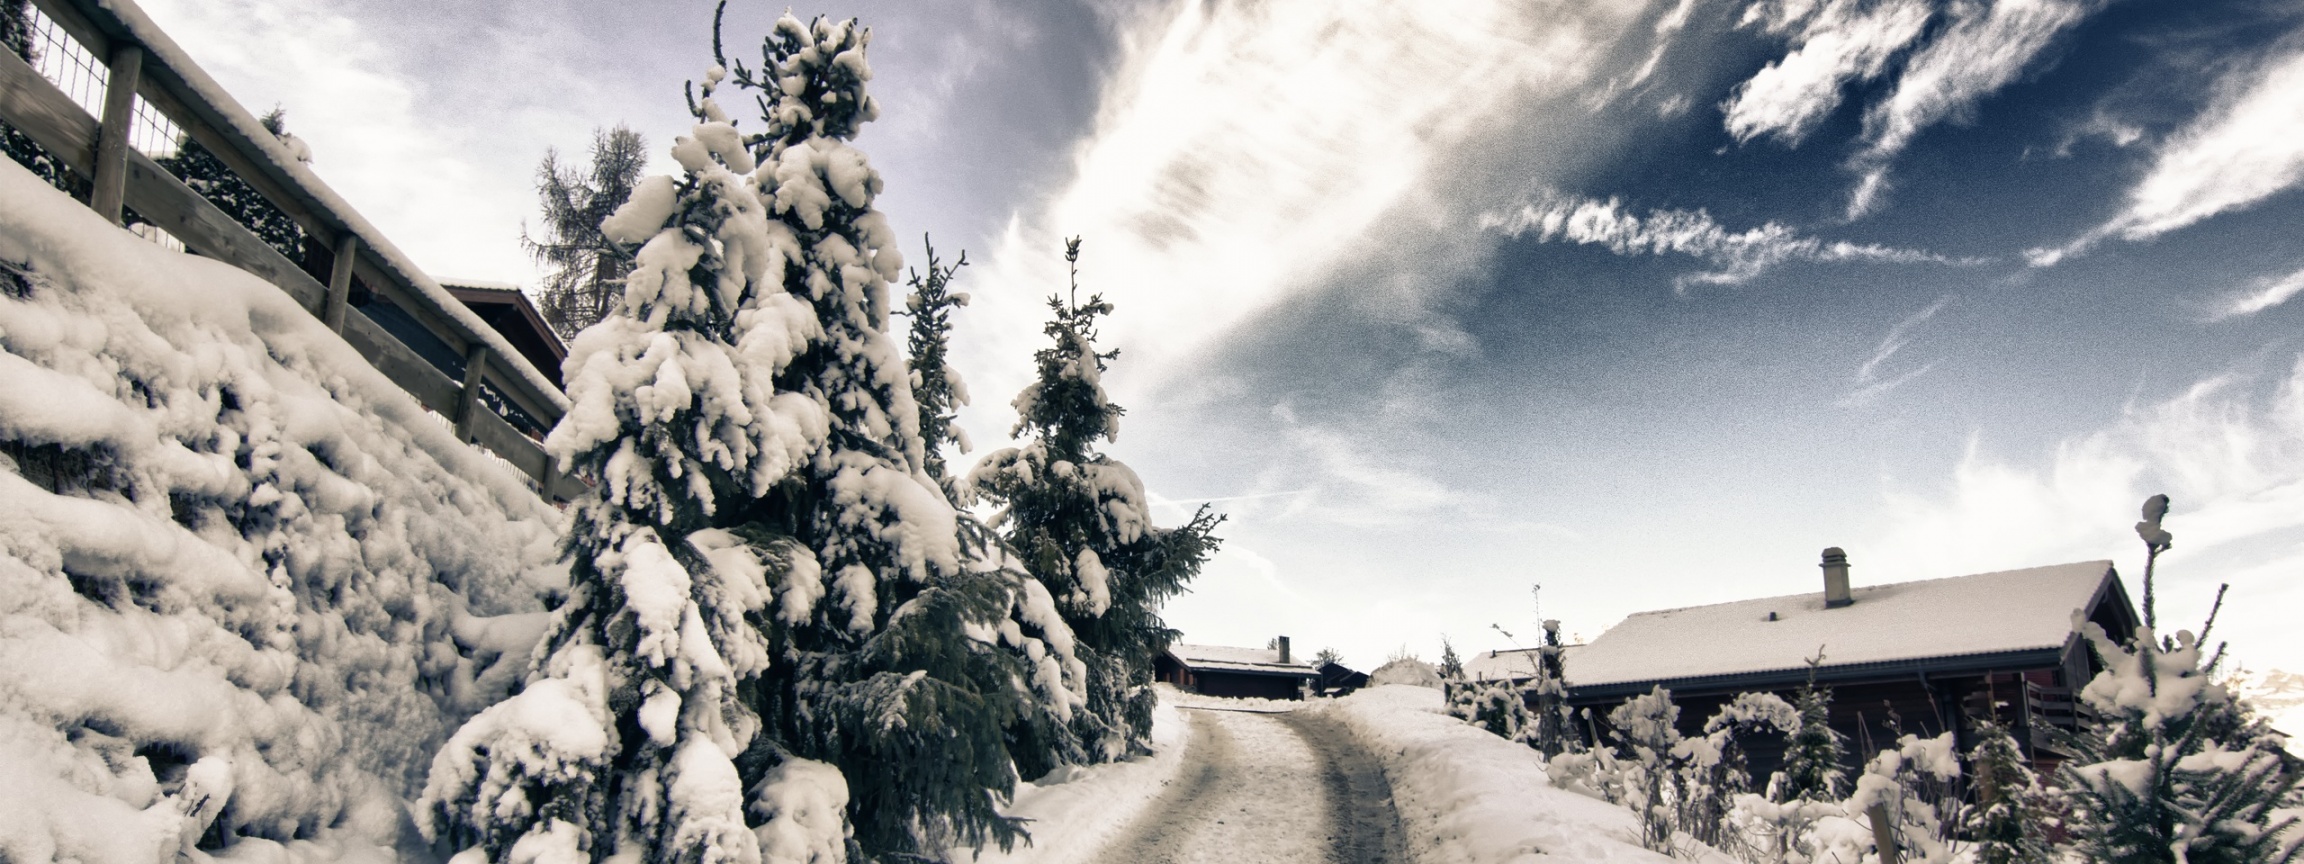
point(247, 585)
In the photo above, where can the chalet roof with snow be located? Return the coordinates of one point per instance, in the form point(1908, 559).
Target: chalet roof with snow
point(1221, 658)
point(1982, 620)
point(1510, 663)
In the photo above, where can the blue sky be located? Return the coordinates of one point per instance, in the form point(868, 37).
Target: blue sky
point(1646, 303)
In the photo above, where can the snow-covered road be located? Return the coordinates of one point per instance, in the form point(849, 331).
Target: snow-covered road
point(1262, 786)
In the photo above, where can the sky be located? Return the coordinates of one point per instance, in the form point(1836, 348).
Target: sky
point(1641, 303)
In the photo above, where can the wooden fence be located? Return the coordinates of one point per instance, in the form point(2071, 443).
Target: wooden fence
point(138, 80)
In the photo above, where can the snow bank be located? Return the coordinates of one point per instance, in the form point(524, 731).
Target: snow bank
point(1076, 810)
point(247, 585)
point(1468, 797)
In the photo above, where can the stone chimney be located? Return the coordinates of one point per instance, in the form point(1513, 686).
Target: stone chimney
point(1836, 578)
point(1284, 640)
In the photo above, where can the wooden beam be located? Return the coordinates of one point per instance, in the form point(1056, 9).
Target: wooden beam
point(340, 282)
point(166, 202)
point(32, 104)
point(127, 72)
point(431, 389)
point(468, 407)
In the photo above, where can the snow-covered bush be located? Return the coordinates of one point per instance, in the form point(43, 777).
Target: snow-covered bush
point(2174, 769)
point(1713, 771)
point(1914, 787)
point(247, 584)
point(1500, 707)
point(1647, 732)
point(1082, 524)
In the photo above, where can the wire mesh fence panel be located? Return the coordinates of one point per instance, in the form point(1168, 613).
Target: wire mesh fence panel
point(62, 59)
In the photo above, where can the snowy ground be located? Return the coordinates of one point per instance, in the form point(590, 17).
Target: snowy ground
point(1243, 781)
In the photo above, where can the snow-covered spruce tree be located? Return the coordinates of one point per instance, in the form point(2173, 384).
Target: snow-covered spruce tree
point(1082, 524)
point(1041, 737)
point(2173, 769)
point(624, 740)
point(1549, 729)
point(204, 173)
point(2009, 818)
point(587, 268)
point(1812, 759)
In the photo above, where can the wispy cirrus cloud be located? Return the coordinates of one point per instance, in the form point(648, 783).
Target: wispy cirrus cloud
point(2265, 294)
point(2247, 146)
point(1870, 386)
point(1737, 256)
point(1835, 44)
point(1977, 49)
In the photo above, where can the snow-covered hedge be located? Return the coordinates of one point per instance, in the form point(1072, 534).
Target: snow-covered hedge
point(247, 585)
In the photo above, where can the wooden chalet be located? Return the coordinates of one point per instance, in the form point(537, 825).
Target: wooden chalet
point(1921, 656)
point(1216, 670)
point(1337, 679)
point(507, 309)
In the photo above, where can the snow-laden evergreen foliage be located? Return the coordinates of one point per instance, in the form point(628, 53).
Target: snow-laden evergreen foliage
point(1549, 728)
point(1082, 524)
point(2009, 818)
point(2174, 769)
point(587, 270)
point(776, 638)
point(1041, 737)
point(204, 173)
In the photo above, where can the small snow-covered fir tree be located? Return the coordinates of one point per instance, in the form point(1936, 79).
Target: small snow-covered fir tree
point(1812, 759)
point(2009, 819)
point(206, 174)
point(1549, 728)
point(2173, 769)
point(587, 268)
point(1082, 524)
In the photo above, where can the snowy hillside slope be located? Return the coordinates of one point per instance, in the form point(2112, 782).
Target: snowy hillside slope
point(1468, 797)
point(246, 584)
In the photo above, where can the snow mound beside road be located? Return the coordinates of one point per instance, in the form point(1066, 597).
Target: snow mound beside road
point(1468, 797)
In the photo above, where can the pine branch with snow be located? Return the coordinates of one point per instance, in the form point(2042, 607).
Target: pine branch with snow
point(2009, 819)
point(2173, 768)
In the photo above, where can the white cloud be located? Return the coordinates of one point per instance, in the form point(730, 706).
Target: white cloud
point(2266, 294)
point(1869, 385)
point(1243, 150)
point(2229, 452)
point(2246, 147)
point(1837, 44)
point(1738, 255)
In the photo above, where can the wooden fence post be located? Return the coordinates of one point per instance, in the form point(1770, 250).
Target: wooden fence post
point(111, 186)
point(1884, 834)
point(468, 405)
point(340, 282)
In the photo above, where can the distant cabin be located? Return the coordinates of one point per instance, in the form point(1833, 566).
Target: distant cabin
point(1926, 656)
point(1337, 679)
point(1251, 673)
point(508, 310)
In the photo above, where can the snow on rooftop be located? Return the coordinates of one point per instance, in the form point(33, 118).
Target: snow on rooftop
point(1222, 657)
point(478, 284)
point(1985, 613)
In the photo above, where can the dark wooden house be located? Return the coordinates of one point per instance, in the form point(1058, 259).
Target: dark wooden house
point(1216, 670)
point(1921, 656)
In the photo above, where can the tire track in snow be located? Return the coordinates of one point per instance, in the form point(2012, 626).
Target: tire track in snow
point(1261, 787)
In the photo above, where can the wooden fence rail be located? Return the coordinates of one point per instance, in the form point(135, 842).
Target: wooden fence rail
point(142, 62)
